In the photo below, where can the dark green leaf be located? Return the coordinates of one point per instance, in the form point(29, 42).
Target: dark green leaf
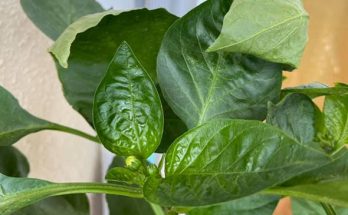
point(89, 53)
point(53, 17)
point(127, 110)
point(59, 205)
point(305, 207)
point(274, 30)
point(173, 126)
point(15, 122)
point(200, 86)
point(335, 130)
point(297, 115)
point(17, 193)
point(12, 162)
point(251, 205)
point(229, 159)
point(317, 89)
point(121, 205)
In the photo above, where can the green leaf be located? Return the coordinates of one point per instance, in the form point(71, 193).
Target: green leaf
point(13, 162)
point(334, 192)
point(61, 48)
point(274, 30)
point(127, 110)
point(200, 86)
point(317, 89)
point(335, 131)
point(15, 122)
point(297, 115)
point(16, 193)
point(59, 205)
point(305, 207)
point(89, 52)
point(251, 205)
point(120, 205)
point(224, 160)
point(53, 17)
point(328, 183)
point(173, 126)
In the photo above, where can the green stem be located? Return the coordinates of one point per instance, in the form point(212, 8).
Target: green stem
point(328, 209)
point(76, 132)
point(157, 209)
point(14, 202)
point(103, 188)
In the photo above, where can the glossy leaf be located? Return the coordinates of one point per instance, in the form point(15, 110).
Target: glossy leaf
point(89, 53)
point(200, 86)
point(256, 204)
point(15, 122)
point(297, 115)
point(17, 193)
point(305, 207)
point(120, 205)
point(274, 30)
point(222, 160)
point(127, 110)
point(13, 162)
point(53, 17)
point(317, 89)
point(335, 112)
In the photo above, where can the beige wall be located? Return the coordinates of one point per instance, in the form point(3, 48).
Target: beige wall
point(27, 70)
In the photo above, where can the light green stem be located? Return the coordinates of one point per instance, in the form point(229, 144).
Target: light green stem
point(13, 202)
point(73, 131)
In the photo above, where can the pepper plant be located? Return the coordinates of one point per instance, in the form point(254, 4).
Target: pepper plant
point(205, 91)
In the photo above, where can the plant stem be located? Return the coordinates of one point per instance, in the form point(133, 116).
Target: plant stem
point(12, 203)
point(76, 132)
point(328, 209)
point(157, 209)
point(103, 188)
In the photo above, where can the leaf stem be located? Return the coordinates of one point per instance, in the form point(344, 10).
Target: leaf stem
point(328, 208)
point(157, 209)
point(76, 132)
point(14, 202)
point(103, 188)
